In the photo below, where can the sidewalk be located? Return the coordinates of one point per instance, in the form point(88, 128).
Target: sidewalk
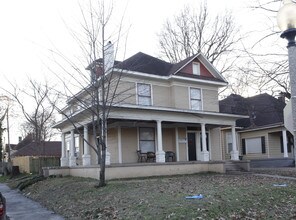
point(20, 207)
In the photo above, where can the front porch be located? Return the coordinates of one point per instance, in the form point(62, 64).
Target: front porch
point(136, 170)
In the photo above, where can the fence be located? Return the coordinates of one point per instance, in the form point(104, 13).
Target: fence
point(28, 164)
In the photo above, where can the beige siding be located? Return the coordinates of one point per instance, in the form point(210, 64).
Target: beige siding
point(169, 140)
point(182, 146)
point(126, 93)
point(210, 100)
point(23, 163)
point(180, 98)
point(274, 141)
point(129, 145)
point(161, 96)
point(215, 148)
point(113, 145)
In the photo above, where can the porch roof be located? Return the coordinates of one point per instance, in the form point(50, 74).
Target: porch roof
point(150, 113)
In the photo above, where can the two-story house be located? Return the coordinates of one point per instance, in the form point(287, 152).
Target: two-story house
point(159, 107)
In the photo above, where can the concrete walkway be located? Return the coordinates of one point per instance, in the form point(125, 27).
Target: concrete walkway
point(23, 208)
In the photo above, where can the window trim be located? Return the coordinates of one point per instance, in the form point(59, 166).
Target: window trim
point(198, 69)
point(151, 94)
point(154, 136)
point(201, 99)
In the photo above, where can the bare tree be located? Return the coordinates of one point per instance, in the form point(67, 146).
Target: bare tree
point(99, 91)
point(266, 62)
point(37, 111)
point(192, 31)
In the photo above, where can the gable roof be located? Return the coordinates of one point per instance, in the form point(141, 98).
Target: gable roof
point(50, 149)
point(262, 109)
point(144, 63)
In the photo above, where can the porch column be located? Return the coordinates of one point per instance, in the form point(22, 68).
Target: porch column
point(72, 159)
point(284, 133)
point(234, 152)
point(86, 155)
point(119, 145)
point(160, 154)
point(64, 159)
point(205, 154)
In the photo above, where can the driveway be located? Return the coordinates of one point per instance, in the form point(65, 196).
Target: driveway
point(20, 207)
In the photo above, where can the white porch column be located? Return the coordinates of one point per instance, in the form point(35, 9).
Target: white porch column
point(72, 159)
point(160, 154)
point(205, 154)
point(86, 155)
point(119, 145)
point(234, 152)
point(284, 133)
point(64, 159)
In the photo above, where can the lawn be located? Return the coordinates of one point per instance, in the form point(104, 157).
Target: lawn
point(224, 197)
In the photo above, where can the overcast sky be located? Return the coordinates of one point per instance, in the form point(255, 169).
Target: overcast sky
point(30, 29)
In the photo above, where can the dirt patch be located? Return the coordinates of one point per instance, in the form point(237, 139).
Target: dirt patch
point(225, 197)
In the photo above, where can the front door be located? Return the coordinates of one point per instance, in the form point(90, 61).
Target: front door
point(191, 146)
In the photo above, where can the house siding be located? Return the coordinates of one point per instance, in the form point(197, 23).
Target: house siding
point(169, 140)
point(215, 149)
point(182, 146)
point(129, 145)
point(126, 93)
point(210, 100)
point(161, 96)
point(112, 143)
point(180, 97)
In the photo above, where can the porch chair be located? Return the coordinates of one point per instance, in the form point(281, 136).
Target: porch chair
point(169, 156)
point(141, 156)
point(150, 156)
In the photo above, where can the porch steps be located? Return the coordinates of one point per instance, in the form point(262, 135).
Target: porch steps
point(232, 167)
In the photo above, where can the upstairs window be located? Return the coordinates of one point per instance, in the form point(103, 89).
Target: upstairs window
point(144, 94)
point(196, 69)
point(195, 99)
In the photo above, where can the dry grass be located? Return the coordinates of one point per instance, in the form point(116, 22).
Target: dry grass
point(225, 197)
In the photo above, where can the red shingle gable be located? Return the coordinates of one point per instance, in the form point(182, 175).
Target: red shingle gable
point(203, 70)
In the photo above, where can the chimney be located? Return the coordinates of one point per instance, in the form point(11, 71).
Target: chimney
point(109, 56)
point(20, 139)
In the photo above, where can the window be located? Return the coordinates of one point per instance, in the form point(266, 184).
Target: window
point(228, 142)
point(147, 139)
point(144, 94)
point(255, 145)
point(195, 99)
point(196, 68)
